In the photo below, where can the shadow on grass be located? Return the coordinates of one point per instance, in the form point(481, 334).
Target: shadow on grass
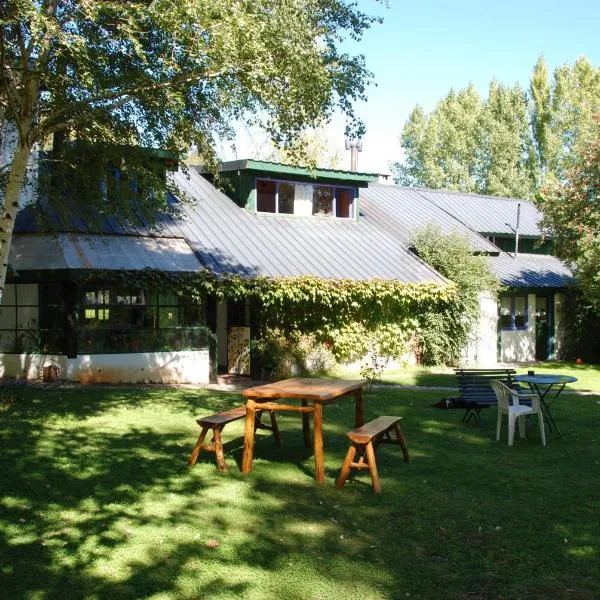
point(99, 503)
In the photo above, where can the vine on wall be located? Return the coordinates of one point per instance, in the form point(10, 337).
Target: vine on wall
point(300, 321)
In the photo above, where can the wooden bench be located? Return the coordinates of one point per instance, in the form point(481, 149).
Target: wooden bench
point(476, 392)
point(217, 422)
point(365, 441)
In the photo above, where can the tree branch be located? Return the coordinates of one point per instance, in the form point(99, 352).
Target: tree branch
point(121, 97)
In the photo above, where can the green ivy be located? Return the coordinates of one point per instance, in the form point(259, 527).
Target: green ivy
point(345, 317)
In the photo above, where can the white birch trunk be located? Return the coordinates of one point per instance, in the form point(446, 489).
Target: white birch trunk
point(12, 192)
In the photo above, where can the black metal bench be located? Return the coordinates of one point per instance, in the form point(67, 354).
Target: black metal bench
point(476, 392)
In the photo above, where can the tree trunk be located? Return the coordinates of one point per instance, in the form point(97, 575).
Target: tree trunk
point(12, 193)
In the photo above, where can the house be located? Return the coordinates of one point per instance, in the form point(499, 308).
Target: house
point(524, 322)
point(289, 222)
point(273, 221)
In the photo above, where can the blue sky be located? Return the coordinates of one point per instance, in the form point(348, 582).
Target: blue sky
point(425, 47)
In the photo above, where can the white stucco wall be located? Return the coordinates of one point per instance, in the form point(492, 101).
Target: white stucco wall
point(189, 366)
point(519, 345)
point(482, 349)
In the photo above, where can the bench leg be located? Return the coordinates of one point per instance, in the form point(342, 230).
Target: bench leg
point(196, 451)
point(402, 442)
point(373, 468)
point(346, 466)
point(219, 449)
point(275, 428)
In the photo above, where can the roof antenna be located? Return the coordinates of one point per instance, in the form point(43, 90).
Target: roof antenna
point(517, 230)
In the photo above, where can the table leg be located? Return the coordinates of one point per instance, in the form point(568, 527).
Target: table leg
point(318, 441)
point(306, 426)
point(249, 437)
point(359, 412)
point(546, 407)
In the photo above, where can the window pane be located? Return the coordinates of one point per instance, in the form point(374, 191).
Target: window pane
point(7, 341)
point(322, 201)
point(8, 317)
point(8, 296)
point(506, 320)
point(520, 303)
point(286, 198)
point(27, 317)
point(265, 195)
point(343, 203)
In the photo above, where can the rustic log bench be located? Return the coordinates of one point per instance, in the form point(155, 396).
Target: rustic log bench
point(476, 392)
point(365, 441)
point(217, 422)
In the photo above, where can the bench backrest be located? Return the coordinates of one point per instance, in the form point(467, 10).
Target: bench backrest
point(474, 384)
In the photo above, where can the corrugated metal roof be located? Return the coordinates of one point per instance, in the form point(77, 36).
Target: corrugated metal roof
point(487, 214)
point(77, 251)
point(402, 210)
point(228, 239)
point(531, 270)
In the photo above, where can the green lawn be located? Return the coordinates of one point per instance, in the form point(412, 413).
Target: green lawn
point(98, 502)
point(588, 376)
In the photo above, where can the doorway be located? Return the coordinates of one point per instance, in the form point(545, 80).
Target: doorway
point(543, 321)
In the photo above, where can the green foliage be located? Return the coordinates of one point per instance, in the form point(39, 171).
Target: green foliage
point(306, 320)
point(169, 74)
point(444, 334)
point(507, 144)
point(571, 210)
point(469, 144)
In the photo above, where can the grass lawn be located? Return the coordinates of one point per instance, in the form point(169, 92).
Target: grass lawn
point(588, 376)
point(98, 502)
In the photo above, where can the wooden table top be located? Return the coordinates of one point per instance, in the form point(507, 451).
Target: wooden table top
point(305, 388)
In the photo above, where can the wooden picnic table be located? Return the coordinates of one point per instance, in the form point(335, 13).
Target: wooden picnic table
point(313, 395)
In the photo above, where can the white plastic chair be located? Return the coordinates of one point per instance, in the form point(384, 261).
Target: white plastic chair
point(516, 410)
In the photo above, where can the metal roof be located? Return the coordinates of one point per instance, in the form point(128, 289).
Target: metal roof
point(283, 169)
point(487, 214)
point(118, 252)
point(531, 271)
point(401, 210)
point(227, 239)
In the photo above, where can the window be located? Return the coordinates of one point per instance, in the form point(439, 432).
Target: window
point(302, 199)
point(19, 318)
point(513, 311)
point(116, 320)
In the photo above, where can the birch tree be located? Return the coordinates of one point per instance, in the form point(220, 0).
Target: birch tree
point(90, 76)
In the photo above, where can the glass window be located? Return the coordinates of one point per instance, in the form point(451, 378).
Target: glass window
point(19, 319)
point(265, 195)
point(513, 311)
point(322, 201)
point(120, 321)
point(304, 199)
point(344, 203)
point(285, 197)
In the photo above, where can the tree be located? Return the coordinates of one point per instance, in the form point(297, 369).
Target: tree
point(563, 112)
point(571, 212)
point(469, 144)
point(165, 73)
point(441, 147)
point(445, 334)
point(509, 144)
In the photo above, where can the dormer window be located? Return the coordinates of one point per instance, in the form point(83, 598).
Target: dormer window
point(304, 199)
